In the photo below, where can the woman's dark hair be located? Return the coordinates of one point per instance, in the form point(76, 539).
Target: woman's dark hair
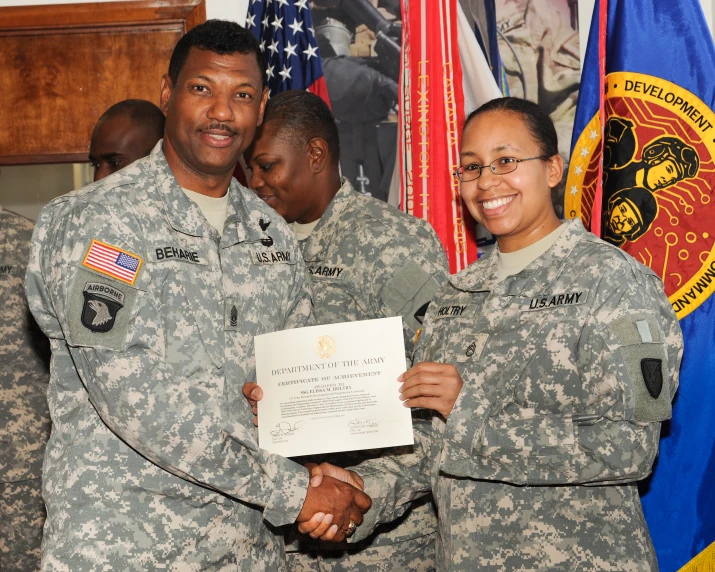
point(303, 116)
point(220, 37)
point(536, 119)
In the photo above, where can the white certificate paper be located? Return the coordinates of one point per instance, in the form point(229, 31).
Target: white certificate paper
point(332, 388)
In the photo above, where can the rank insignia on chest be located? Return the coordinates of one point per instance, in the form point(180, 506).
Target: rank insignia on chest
point(232, 312)
point(473, 347)
point(101, 304)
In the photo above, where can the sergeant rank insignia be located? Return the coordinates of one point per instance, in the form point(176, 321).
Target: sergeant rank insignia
point(101, 304)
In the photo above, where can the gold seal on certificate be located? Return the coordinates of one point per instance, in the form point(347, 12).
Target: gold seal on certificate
point(332, 388)
point(324, 346)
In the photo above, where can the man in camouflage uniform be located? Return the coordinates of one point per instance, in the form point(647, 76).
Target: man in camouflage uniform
point(151, 313)
point(367, 260)
point(568, 367)
point(24, 417)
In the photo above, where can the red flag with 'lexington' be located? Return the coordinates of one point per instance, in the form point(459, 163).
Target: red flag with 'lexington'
point(432, 114)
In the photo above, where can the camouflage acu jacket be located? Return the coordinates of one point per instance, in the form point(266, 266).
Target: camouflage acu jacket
point(568, 367)
point(368, 260)
point(24, 363)
point(153, 461)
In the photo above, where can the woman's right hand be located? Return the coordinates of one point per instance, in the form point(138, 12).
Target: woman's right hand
point(431, 385)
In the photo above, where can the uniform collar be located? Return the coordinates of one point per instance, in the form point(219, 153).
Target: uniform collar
point(542, 272)
point(316, 245)
point(185, 216)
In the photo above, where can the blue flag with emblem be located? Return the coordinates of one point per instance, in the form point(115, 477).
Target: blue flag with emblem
point(642, 175)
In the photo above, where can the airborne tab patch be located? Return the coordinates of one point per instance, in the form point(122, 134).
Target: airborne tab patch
point(555, 300)
point(101, 304)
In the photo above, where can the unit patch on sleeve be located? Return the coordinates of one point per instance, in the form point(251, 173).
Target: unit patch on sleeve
point(101, 304)
point(555, 300)
point(421, 312)
point(652, 370)
point(113, 262)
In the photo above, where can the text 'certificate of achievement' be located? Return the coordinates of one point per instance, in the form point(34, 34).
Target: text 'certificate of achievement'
point(332, 388)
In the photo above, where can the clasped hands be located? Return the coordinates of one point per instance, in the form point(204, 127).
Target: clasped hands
point(335, 501)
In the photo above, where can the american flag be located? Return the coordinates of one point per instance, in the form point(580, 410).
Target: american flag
point(113, 261)
point(284, 29)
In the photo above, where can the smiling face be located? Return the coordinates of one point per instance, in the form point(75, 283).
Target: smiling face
point(515, 207)
point(211, 114)
point(283, 174)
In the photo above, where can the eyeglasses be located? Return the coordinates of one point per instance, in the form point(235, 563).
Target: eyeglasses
point(500, 166)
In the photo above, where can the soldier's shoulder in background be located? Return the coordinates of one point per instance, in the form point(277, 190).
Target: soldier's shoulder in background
point(377, 214)
point(17, 232)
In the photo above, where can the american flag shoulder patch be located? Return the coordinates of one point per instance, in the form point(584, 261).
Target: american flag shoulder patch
point(112, 261)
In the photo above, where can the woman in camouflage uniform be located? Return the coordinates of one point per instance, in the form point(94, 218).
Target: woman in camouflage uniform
point(549, 365)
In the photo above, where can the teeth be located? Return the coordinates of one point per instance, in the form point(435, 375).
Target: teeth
point(220, 136)
point(496, 203)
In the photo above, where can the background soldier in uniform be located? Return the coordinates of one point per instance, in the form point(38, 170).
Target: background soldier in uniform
point(551, 377)
point(24, 416)
point(367, 260)
point(151, 300)
point(127, 131)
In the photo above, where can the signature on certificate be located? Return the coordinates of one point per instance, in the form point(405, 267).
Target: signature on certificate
point(284, 428)
point(362, 423)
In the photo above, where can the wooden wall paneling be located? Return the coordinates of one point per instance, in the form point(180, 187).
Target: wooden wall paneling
point(61, 66)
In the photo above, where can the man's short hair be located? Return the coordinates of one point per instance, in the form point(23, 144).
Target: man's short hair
point(220, 37)
point(139, 111)
point(303, 116)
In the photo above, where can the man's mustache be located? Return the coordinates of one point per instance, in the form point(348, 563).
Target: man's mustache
point(221, 127)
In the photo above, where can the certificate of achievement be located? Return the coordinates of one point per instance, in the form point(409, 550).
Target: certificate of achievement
point(332, 388)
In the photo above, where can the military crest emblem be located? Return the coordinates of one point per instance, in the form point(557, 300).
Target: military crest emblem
point(324, 346)
point(657, 176)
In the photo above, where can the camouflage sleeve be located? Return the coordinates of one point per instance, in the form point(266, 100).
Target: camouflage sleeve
point(394, 481)
point(405, 277)
point(171, 421)
point(628, 356)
